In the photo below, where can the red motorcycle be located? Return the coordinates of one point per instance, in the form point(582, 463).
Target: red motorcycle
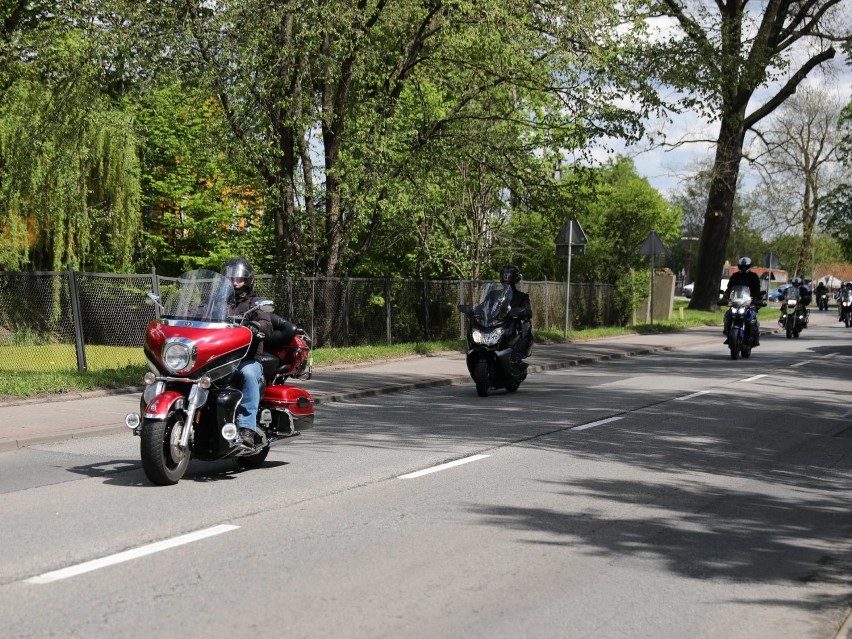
point(189, 406)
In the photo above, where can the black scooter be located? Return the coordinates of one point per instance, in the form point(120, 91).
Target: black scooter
point(493, 339)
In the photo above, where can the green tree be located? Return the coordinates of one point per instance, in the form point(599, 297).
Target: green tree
point(375, 91)
point(198, 208)
point(719, 55)
point(622, 210)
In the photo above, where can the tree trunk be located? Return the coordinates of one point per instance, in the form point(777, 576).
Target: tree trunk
point(719, 213)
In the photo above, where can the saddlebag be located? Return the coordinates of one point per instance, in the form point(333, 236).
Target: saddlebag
point(292, 409)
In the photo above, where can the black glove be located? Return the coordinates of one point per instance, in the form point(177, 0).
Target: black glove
point(255, 331)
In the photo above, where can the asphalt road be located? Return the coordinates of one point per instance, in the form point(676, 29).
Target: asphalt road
point(672, 495)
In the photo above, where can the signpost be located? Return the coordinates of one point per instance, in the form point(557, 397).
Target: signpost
point(652, 246)
point(571, 240)
point(771, 262)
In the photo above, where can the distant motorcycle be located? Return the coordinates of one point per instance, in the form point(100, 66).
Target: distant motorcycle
point(492, 333)
point(744, 321)
point(794, 314)
point(844, 299)
point(822, 301)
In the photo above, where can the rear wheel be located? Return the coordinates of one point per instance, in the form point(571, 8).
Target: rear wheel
point(482, 378)
point(847, 319)
point(163, 460)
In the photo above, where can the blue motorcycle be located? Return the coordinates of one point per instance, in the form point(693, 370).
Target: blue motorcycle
point(744, 325)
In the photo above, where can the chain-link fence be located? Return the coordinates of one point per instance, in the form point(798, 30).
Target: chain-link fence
point(70, 320)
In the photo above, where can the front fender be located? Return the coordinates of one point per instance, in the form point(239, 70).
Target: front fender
point(162, 404)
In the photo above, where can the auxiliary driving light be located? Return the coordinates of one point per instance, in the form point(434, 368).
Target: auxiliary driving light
point(149, 378)
point(229, 431)
point(205, 382)
point(132, 420)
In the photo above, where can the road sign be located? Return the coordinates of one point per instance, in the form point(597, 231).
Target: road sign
point(653, 245)
point(771, 261)
point(571, 240)
point(571, 234)
point(564, 250)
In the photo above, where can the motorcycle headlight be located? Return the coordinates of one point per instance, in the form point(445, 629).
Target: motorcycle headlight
point(178, 355)
point(487, 338)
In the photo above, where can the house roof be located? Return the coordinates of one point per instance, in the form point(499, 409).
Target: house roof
point(776, 275)
point(840, 270)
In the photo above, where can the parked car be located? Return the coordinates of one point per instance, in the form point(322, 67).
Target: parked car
point(686, 291)
point(778, 293)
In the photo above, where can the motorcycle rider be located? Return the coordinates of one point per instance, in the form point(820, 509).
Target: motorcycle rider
point(845, 286)
point(821, 290)
point(521, 308)
point(744, 277)
point(249, 373)
point(805, 295)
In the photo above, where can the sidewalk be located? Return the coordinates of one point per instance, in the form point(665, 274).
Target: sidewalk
point(29, 422)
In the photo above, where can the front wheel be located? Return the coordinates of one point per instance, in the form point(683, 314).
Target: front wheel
point(789, 326)
point(482, 378)
point(736, 343)
point(847, 319)
point(163, 460)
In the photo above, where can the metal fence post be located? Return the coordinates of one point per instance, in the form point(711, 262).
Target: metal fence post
point(546, 303)
point(425, 309)
point(155, 289)
point(346, 312)
point(77, 318)
point(461, 315)
point(388, 310)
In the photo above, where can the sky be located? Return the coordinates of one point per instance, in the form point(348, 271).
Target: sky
point(665, 168)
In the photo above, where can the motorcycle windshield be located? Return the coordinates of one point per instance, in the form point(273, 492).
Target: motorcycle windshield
point(495, 304)
point(791, 294)
point(846, 296)
point(740, 296)
point(201, 296)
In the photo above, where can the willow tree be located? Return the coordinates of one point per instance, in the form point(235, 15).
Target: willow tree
point(69, 187)
point(722, 55)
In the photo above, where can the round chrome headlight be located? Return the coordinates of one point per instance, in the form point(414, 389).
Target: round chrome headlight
point(177, 356)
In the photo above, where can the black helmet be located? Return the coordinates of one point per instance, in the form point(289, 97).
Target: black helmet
point(744, 264)
point(797, 281)
point(510, 274)
point(239, 268)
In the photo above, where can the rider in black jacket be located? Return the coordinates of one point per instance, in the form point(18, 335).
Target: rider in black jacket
point(521, 309)
point(744, 277)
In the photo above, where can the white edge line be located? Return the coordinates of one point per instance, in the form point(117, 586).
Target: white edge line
point(807, 361)
point(127, 555)
point(598, 423)
point(752, 379)
point(435, 469)
point(680, 399)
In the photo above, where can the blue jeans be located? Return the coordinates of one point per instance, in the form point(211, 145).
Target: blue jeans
point(248, 376)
